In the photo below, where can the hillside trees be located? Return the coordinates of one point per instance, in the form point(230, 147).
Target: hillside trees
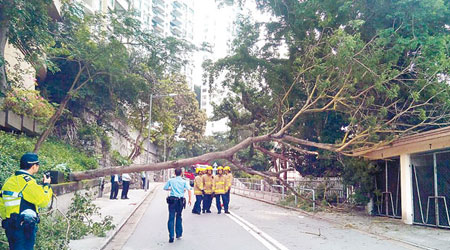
point(26, 24)
point(111, 71)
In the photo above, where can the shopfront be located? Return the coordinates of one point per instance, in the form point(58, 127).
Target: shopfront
point(415, 182)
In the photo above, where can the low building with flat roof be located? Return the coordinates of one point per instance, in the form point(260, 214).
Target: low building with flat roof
point(415, 183)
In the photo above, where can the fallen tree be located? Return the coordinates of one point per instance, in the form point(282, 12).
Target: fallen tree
point(379, 81)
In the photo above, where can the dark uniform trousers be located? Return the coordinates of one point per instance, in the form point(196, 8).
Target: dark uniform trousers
point(125, 188)
point(207, 200)
point(175, 220)
point(21, 232)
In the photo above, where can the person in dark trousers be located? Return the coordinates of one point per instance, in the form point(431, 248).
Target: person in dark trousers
point(208, 179)
point(176, 202)
point(20, 200)
point(198, 191)
point(125, 185)
point(114, 187)
point(143, 177)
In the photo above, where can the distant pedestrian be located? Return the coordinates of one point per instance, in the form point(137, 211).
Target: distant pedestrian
point(144, 178)
point(176, 202)
point(114, 187)
point(126, 179)
point(20, 200)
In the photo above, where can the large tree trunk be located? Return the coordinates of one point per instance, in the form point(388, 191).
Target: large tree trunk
point(226, 154)
point(51, 123)
point(3, 39)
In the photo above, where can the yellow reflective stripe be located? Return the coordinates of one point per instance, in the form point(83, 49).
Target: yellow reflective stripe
point(12, 203)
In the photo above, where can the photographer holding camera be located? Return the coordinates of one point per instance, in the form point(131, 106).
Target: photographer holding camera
point(20, 200)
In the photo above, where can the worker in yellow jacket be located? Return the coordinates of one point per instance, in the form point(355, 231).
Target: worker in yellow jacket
point(208, 188)
point(229, 176)
point(220, 186)
point(21, 198)
point(198, 191)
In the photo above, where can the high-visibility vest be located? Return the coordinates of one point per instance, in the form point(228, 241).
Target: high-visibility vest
point(220, 182)
point(208, 183)
point(198, 185)
point(229, 177)
point(22, 189)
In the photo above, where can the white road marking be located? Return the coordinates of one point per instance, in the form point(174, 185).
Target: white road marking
point(301, 216)
point(260, 235)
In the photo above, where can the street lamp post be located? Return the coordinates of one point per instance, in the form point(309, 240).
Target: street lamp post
point(149, 130)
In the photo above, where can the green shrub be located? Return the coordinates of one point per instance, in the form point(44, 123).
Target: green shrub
point(53, 230)
point(54, 155)
point(29, 103)
point(119, 160)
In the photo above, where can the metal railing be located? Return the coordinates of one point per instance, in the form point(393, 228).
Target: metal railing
point(257, 188)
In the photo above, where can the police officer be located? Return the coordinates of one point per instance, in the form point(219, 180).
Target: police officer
point(21, 198)
point(198, 191)
point(219, 187)
point(176, 201)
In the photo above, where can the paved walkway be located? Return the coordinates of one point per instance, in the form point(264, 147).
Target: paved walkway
point(120, 210)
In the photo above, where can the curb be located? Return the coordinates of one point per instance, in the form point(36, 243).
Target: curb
point(126, 220)
point(338, 223)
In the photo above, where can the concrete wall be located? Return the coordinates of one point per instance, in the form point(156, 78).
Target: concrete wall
point(17, 69)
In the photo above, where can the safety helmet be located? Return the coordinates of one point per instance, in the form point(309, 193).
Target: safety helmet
point(220, 168)
point(209, 168)
point(227, 168)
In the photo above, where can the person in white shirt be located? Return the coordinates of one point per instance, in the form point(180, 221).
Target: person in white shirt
point(126, 178)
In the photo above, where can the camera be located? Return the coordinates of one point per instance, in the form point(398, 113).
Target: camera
point(56, 177)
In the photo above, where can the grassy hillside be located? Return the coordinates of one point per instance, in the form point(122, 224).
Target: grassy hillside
point(54, 155)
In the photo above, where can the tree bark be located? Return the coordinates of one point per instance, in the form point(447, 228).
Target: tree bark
point(4, 24)
point(51, 123)
point(226, 154)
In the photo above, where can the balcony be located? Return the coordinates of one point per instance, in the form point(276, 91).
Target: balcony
point(175, 22)
point(177, 4)
point(176, 31)
point(158, 9)
point(176, 13)
point(158, 19)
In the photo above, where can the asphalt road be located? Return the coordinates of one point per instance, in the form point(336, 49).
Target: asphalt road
point(252, 225)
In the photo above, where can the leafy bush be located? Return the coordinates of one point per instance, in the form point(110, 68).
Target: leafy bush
point(54, 230)
point(29, 103)
point(119, 160)
point(54, 155)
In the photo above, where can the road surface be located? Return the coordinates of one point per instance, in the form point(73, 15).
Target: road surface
point(253, 225)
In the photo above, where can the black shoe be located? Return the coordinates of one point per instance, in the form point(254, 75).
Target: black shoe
point(227, 212)
point(219, 212)
point(208, 212)
point(171, 240)
point(179, 237)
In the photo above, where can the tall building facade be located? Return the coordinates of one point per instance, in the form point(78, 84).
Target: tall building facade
point(162, 17)
point(215, 28)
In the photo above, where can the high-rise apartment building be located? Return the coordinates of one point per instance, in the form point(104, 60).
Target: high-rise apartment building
point(215, 27)
point(163, 17)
